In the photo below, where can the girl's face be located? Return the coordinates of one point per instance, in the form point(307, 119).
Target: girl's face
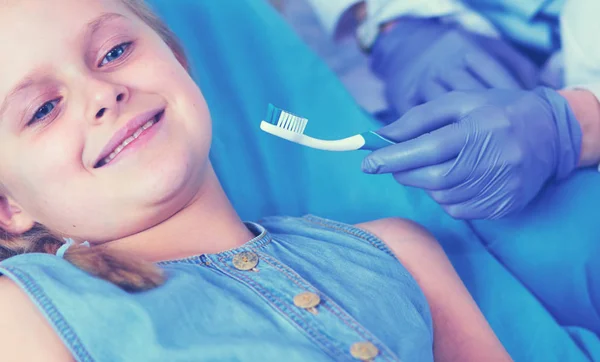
point(78, 80)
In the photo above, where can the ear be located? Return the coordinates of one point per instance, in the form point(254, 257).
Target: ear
point(13, 219)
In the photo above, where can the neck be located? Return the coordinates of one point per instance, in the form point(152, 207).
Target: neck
point(208, 224)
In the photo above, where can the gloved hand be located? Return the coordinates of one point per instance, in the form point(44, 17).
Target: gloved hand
point(421, 59)
point(482, 155)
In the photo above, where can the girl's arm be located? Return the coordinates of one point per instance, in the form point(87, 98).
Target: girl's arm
point(461, 333)
point(24, 333)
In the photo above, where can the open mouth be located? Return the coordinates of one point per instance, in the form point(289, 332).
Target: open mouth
point(131, 137)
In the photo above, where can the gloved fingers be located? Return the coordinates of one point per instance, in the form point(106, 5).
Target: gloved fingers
point(524, 70)
point(463, 190)
point(437, 178)
point(431, 90)
point(483, 194)
point(427, 117)
point(461, 80)
point(429, 149)
point(490, 71)
point(464, 211)
point(476, 208)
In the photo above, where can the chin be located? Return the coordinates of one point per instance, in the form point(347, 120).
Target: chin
point(172, 181)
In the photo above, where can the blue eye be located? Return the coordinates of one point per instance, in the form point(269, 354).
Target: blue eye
point(43, 111)
point(114, 54)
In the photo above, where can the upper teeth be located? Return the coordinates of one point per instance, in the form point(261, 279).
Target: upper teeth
point(130, 139)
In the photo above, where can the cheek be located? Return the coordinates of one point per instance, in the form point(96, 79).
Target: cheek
point(155, 66)
point(45, 176)
point(55, 158)
point(165, 71)
point(169, 79)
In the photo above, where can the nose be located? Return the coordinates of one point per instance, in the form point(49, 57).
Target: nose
point(105, 100)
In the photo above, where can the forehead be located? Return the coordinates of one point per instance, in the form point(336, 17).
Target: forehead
point(35, 32)
point(29, 17)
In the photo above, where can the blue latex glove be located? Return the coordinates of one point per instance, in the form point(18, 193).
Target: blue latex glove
point(421, 59)
point(482, 155)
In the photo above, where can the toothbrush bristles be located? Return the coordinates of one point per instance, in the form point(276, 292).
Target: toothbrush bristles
point(286, 120)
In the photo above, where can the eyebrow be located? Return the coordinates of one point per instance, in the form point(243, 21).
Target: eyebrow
point(94, 25)
point(25, 83)
point(91, 28)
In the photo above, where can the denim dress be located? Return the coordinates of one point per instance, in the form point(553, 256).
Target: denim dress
point(304, 289)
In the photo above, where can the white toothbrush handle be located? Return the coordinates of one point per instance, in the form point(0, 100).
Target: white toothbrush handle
point(346, 144)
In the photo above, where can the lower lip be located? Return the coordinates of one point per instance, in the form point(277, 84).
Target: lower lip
point(137, 143)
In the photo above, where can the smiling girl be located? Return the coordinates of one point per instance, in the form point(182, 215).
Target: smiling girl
point(120, 244)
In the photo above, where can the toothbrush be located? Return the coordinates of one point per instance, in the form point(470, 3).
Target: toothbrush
point(291, 127)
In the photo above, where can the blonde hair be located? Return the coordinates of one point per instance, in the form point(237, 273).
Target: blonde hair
point(142, 11)
point(129, 273)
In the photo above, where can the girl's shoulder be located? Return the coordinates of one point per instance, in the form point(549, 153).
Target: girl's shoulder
point(25, 335)
point(395, 230)
point(387, 234)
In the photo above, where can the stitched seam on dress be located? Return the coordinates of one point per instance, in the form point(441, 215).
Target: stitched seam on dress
point(330, 349)
point(359, 329)
point(347, 319)
point(352, 231)
point(250, 245)
point(259, 242)
point(296, 280)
